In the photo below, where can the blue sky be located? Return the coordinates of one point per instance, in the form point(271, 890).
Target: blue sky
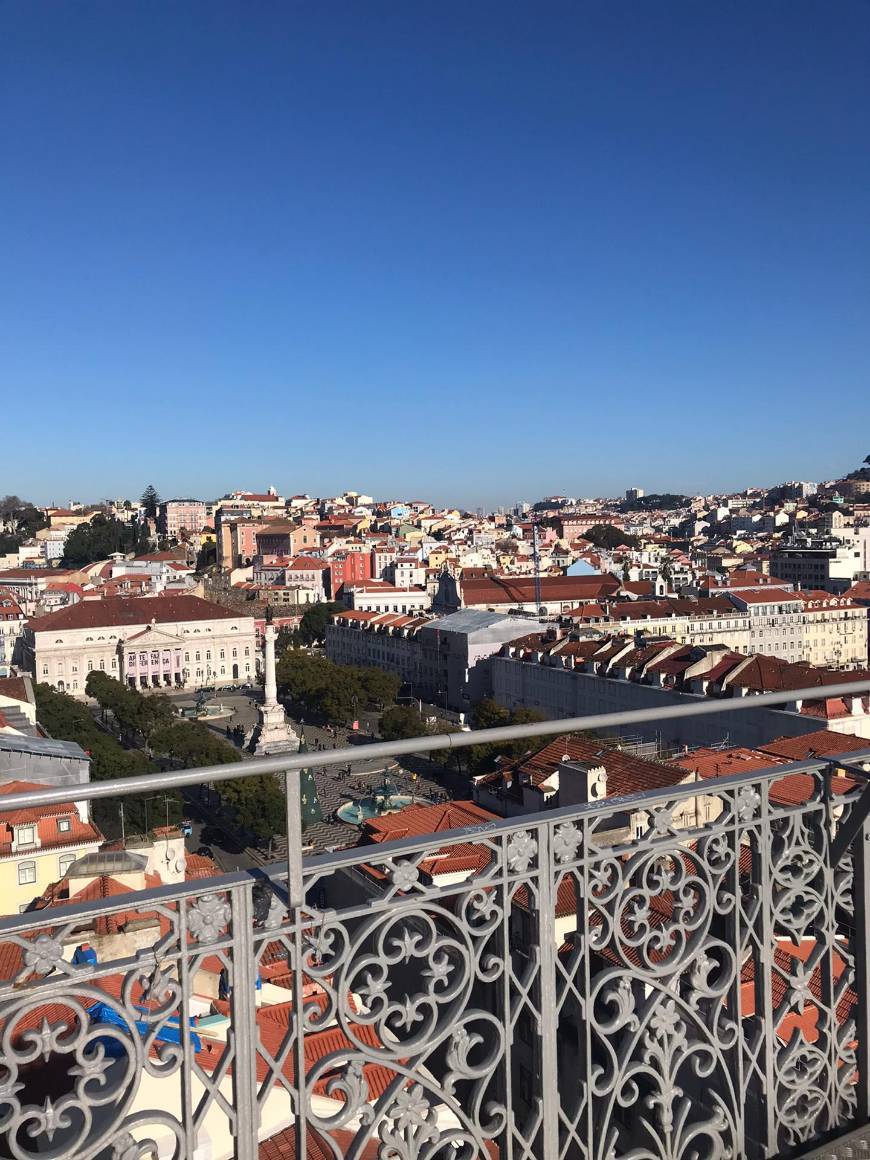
point(474, 252)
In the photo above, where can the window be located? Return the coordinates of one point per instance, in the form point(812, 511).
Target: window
point(208, 654)
point(103, 665)
point(223, 654)
point(64, 862)
point(198, 657)
point(25, 835)
point(235, 652)
point(64, 825)
point(247, 651)
point(26, 873)
point(45, 670)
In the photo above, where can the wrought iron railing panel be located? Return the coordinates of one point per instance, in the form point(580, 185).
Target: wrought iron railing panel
point(674, 975)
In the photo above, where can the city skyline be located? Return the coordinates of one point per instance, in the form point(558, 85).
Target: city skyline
point(222, 492)
point(427, 248)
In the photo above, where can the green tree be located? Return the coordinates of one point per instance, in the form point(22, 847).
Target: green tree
point(69, 720)
point(312, 627)
point(192, 744)
point(379, 687)
point(150, 501)
point(287, 638)
point(607, 536)
point(97, 540)
point(489, 714)
point(21, 520)
point(258, 803)
point(400, 722)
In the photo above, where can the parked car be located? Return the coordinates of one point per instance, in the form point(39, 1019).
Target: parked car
point(205, 852)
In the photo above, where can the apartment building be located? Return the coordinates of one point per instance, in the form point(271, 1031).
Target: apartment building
point(805, 626)
point(181, 515)
point(829, 562)
point(38, 845)
point(444, 658)
point(379, 596)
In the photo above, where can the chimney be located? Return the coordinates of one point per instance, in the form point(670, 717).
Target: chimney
point(581, 782)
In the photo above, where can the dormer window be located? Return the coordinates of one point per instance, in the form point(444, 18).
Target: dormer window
point(25, 835)
point(64, 825)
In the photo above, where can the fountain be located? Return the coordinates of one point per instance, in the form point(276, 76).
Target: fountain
point(384, 799)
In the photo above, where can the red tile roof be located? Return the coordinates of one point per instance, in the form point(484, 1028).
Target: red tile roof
point(721, 762)
point(117, 611)
point(45, 819)
point(821, 743)
point(521, 590)
point(417, 821)
point(625, 773)
point(14, 688)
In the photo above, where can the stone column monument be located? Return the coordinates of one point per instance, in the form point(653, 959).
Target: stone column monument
point(273, 733)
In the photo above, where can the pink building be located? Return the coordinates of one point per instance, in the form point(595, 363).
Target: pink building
point(177, 515)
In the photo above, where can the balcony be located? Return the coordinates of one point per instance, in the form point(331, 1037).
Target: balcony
point(551, 986)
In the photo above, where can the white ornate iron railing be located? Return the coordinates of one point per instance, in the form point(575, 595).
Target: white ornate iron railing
point(678, 974)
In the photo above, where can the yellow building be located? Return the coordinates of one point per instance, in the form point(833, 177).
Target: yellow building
point(38, 846)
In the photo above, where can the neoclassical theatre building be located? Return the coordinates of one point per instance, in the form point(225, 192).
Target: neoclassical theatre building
point(168, 641)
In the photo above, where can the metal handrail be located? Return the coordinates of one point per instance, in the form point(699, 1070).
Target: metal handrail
point(290, 762)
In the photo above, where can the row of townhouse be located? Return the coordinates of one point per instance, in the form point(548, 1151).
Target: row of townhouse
point(816, 627)
point(565, 676)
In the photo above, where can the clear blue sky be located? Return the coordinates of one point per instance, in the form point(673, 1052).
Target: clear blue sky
point(475, 251)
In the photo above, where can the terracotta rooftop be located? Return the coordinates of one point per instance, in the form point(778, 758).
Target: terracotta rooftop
point(626, 773)
point(821, 743)
point(117, 611)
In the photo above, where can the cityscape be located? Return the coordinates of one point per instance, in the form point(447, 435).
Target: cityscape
point(516, 807)
point(143, 635)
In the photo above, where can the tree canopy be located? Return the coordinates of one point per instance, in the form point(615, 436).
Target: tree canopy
point(332, 691)
point(69, 720)
point(21, 520)
point(150, 501)
point(100, 538)
point(657, 501)
point(402, 721)
point(488, 714)
point(607, 536)
point(315, 618)
point(137, 716)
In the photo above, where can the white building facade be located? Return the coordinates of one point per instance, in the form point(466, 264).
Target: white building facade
point(169, 641)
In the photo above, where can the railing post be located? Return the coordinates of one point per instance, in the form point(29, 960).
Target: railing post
point(244, 1024)
point(764, 878)
point(548, 994)
point(293, 808)
point(860, 884)
point(295, 901)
